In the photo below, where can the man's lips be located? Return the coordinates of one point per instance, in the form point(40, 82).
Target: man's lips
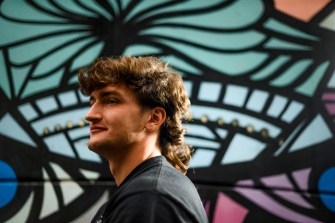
point(97, 128)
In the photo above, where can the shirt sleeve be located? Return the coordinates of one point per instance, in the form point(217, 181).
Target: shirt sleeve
point(149, 207)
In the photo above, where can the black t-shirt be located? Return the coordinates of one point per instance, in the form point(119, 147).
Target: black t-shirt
point(153, 192)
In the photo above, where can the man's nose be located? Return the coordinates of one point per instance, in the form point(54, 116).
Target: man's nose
point(93, 114)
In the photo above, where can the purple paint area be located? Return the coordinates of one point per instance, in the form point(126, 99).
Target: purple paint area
point(294, 198)
point(330, 108)
point(245, 183)
point(301, 178)
point(207, 206)
point(277, 181)
point(328, 97)
point(282, 182)
point(265, 202)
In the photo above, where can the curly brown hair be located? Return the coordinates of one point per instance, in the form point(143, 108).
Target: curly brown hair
point(155, 84)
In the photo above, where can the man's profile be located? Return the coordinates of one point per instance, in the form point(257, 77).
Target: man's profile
point(137, 108)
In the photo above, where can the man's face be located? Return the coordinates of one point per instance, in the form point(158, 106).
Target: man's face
point(117, 121)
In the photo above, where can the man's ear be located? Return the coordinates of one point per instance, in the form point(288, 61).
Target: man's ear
point(157, 118)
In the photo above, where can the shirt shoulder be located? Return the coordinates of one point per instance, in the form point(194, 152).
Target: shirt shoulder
point(174, 191)
point(155, 192)
point(150, 207)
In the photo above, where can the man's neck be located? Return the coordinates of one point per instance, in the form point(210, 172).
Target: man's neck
point(121, 167)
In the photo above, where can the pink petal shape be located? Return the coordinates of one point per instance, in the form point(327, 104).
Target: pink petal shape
point(227, 210)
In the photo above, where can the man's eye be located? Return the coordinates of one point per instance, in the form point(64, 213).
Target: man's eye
point(112, 101)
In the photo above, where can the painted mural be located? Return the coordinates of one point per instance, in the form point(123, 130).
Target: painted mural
point(260, 75)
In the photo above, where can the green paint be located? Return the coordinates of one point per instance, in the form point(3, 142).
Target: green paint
point(270, 68)
point(4, 83)
point(59, 57)
point(275, 43)
point(32, 50)
point(87, 56)
point(292, 73)
point(141, 49)
point(43, 84)
point(280, 27)
point(216, 40)
point(309, 86)
point(232, 64)
point(19, 75)
point(238, 14)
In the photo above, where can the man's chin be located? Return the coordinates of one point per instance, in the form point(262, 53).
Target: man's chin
point(94, 147)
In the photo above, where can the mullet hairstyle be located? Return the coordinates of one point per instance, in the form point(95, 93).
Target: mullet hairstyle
point(156, 84)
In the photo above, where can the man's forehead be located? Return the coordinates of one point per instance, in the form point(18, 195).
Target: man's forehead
point(109, 87)
point(116, 89)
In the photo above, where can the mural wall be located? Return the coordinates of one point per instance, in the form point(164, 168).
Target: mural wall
point(260, 75)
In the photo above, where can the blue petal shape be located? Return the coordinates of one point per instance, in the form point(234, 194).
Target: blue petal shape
point(310, 136)
point(326, 186)
point(59, 144)
point(10, 128)
point(245, 145)
point(7, 189)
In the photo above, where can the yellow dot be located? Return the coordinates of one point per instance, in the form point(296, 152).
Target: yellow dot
point(46, 131)
point(264, 133)
point(58, 127)
point(81, 123)
point(220, 121)
point(250, 129)
point(235, 123)
point(204, 119)
point(69, 125)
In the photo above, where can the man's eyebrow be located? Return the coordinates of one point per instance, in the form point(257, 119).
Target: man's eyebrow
point(104, 94)
point(108, 93)
point(91, 98)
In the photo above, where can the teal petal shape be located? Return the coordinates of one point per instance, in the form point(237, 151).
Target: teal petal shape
point(179, 6)
point(292, 73)
point(270, 68)
point(4, 82)
point(18, 32)
point(238, 14)
point(32, 50)
point(275, 43)
point(275, 25)
point(308, 88)
point(61, 56)
point(87, 56)
point(232, 64)
point(24, 11)
point(19, 76)
point(39, 85)
point(215, 40)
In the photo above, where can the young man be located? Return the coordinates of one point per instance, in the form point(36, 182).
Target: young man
point(137, 107)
